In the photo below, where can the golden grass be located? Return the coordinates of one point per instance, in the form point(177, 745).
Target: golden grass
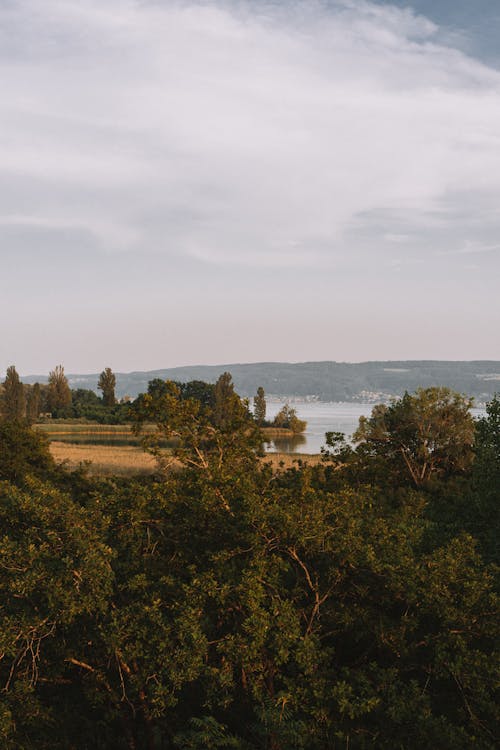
point(89, 428)
point(277, 432)
point(106, 460)
point(109, 460)
point(284, 461)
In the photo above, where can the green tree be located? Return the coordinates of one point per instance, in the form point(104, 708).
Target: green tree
point(23, 452)
point(13, 402)
point(200, 391)
point(59, 392)
point(228, 408)
point(55, 576)
point(484, 504)
point(259, 406)
point(428, 434)
point(33, 403)
point(107, 384)
point(287, 418)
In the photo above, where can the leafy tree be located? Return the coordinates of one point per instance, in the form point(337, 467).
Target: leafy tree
point(34, 403)
point(259, 406)
point(228, 407)
point(199, 391)
point(23, 452)
point(13, 401)
point(224, 604)
point(485, 500)
point(55, 570)
point(107, 384)
point(487, 450)
point(83, 399)
point(59, 393)
point(428, 434)
point(287, 418)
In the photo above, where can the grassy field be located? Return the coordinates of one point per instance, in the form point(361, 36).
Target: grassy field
point(74, 429)
point(63, 426)
point(107, 460)
point(115, 450)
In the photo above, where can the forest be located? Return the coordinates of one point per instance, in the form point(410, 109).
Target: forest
point(223, 603)
point(327, 381)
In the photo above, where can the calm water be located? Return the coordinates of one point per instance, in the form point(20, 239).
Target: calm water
point(322, 417)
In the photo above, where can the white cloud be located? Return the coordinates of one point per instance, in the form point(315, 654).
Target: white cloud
point(242, 132)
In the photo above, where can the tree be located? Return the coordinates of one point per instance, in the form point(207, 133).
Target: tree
point(228, 407)
point(59, 393)
point(34, 402)
point(55, 576)
point(427, 434)
point(229, 605)
point(23, 452)
point(484, 504)
point(259, 406)
point(200, 391)
point(287, 419)
point(107, 384)
point(13, 398)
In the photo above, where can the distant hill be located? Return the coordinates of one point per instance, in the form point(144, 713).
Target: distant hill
point(326, 381)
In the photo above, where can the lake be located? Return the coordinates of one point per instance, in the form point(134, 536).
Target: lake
point(322, 417)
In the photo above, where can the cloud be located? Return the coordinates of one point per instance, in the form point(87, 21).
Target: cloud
point(243, 132)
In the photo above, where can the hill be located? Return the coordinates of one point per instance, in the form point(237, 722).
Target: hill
point(325, 381)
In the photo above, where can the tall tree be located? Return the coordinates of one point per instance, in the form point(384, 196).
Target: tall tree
point(34, 402)
point(59, 394)
point(259, 406)
point(426, 434)
point(13, 399)
point(107, 384)
point(228, 408)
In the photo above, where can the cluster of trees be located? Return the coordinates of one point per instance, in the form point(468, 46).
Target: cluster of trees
point(20, 401)
point(286, 418)
point(220, 604)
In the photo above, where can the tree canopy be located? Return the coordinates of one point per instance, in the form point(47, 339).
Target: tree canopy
point(429, 433)
point(221, 603)
point(107, 384)
point(12, 397)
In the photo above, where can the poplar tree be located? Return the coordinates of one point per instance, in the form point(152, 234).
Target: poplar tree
point(13, 405)
point(228, 407)
point(59, 393)
point(259, 406)
point(33, 405)
point(107, 384)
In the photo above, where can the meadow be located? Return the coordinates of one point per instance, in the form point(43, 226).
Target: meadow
point(110, 450)
point(131, 460)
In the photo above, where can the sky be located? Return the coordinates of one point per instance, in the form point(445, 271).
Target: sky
point(203, 182)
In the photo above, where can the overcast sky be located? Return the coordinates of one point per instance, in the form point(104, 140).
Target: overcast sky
point(208, 182)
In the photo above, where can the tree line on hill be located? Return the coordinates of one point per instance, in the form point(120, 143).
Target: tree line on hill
point(56, 400)
point(224, 604)
point(327, 381)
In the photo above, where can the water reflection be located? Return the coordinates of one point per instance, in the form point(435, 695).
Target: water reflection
point(288, 444)
point(96, 439)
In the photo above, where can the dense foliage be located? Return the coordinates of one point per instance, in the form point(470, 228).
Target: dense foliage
point(224, 605)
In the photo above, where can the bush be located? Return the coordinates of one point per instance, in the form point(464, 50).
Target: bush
point(23, 451)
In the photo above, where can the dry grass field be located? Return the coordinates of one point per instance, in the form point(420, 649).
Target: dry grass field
point(284, 461)
point(107, 460)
